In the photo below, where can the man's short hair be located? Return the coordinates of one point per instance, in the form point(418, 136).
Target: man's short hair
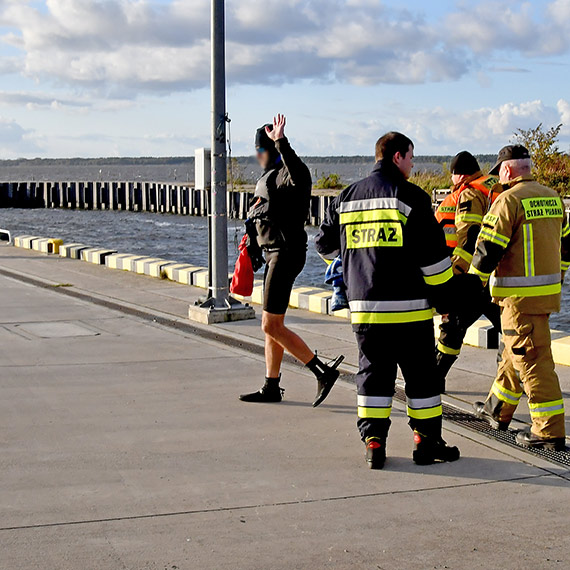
point(391, 143)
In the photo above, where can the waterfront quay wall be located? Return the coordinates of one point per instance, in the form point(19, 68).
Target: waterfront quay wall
point(159, 197)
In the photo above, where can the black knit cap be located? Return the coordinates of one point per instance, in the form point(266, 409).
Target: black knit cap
point(263, 141)
point(464, 163)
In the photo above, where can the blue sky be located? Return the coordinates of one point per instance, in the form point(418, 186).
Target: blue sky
point(130, 77)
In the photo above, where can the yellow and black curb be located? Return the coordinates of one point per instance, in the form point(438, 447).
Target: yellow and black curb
point(311, 299)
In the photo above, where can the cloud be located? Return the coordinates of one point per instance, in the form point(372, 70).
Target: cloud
point(15, 141)
point(480, 130)
point(148, 46)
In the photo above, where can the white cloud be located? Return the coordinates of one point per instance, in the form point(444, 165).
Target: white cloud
point(142, 45)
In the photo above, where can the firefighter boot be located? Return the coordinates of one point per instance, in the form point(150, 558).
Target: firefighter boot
point(528, 439)
point(270, 392)
point(327, 375)
point(430, 450)
point(444, 364)
point(482, 413)
point(375, 452)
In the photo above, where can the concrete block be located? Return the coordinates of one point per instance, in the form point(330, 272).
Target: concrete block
point(96, 256)
point(47, 245)
point(181, 272)
point(156, 268)
point(72, 250)
point(24, 241)
point(200, 278)
point(561, 350)
point(319, 302)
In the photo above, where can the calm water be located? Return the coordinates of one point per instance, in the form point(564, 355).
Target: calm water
point(180, 238)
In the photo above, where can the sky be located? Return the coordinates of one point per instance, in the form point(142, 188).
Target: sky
point(92, 78)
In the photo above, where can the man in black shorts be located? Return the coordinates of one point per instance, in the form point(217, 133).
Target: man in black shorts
point(279, 213)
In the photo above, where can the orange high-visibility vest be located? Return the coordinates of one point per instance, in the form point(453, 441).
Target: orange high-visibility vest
point(445, 215)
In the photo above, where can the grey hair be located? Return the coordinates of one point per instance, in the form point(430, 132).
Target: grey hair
point(519, 166)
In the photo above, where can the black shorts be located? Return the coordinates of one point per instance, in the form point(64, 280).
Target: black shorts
point(281, 270)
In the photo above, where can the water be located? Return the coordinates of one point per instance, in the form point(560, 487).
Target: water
point(167, 236)
point(181, 171)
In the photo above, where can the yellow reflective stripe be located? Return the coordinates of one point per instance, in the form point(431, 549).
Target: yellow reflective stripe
point(425, 413)
point(463, 254)
point(474, 218)
point(389, 215)
point(489, 235)
point(378, 413)
point(391, 318)
point(564, 265)
point(512, 398)
point(528, 245)
point(451, 238)
point(484, 276)
point(447, 350)
point(565, 230)
point(440, 278)
point(538, 291)
point(544, 409)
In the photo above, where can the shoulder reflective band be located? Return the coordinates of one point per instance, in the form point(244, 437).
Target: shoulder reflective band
point(374, 234)
point(469, 218)
point(463, 254)
point(372, 216)
point(374, 407)
point(545, 409)
point(424, 408)
point(540, 208)
point(438, 273)
point(535, 286)
point(390, 312)
point(375, 204)
point(528, 250)
point(494, 237)
point(491, 220)
point(507, 396)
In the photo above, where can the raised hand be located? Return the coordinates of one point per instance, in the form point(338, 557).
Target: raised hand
point(278, 131)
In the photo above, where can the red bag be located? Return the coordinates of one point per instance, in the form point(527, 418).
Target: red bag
point(242, 280)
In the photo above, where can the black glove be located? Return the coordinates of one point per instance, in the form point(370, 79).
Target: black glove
point(455, 294)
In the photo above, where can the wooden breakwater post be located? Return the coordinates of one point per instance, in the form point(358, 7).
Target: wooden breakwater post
point(135, 196)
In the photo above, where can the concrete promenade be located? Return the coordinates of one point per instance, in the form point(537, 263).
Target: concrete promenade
point(123, 446)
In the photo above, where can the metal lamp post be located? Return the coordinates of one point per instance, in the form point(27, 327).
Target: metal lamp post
point(219, 307)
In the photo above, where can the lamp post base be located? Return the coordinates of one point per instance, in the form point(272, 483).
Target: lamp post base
point(210, 313)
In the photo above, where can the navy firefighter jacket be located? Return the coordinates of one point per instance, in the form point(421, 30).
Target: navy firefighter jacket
point(395, 259)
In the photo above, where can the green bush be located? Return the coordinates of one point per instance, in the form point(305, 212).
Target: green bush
point(329, 182)
point(549, 166)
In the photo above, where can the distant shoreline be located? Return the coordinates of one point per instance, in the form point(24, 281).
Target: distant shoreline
point(185, 160)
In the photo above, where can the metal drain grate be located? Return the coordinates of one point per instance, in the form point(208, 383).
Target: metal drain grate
point(470, 421)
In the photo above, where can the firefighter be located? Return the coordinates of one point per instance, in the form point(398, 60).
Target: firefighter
point(277, 221)
point(461, 215)
point(396, 267)
point(524, 250)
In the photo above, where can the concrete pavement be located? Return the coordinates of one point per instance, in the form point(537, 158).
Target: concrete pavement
point(123, 445)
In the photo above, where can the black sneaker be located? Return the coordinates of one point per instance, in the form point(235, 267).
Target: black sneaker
point(482, 413)
point(267, 395)
point(430, 450)
point(326, 381)
point(375, 452)
point(528, 439)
